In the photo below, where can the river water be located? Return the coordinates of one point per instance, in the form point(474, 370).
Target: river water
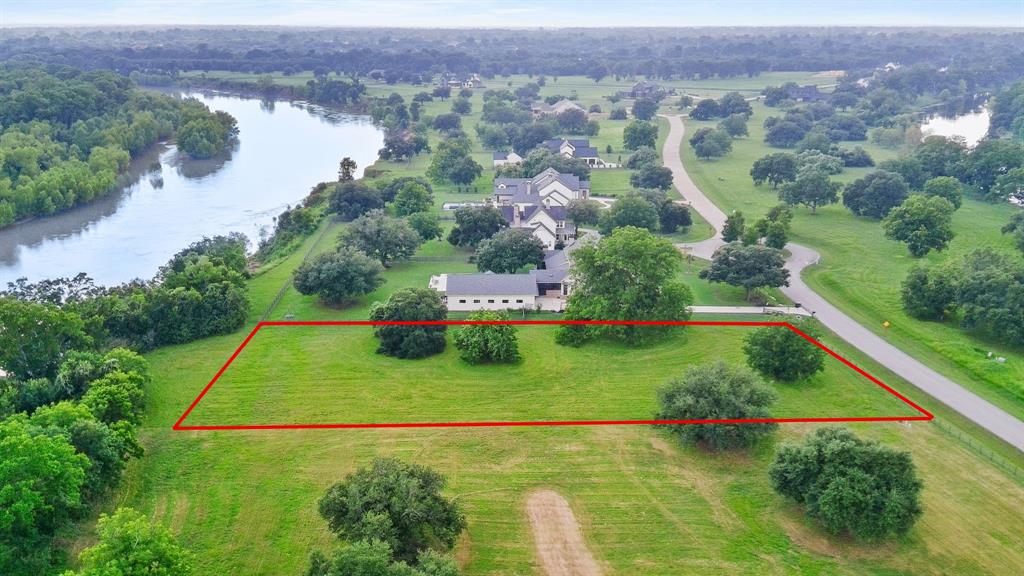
point(167, 201)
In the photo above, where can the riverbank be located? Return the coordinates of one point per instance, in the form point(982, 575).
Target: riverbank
point(173, 201)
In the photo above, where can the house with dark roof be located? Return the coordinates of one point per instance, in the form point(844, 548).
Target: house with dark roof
point(538, 204)
point(578, 148)
point(645, 89)
point(548, 223)
point(549, 188)
point(503, 158)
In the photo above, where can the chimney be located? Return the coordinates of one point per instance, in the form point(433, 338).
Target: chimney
point(516, 217)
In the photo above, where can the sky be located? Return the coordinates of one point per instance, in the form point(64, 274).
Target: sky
point(514, 13)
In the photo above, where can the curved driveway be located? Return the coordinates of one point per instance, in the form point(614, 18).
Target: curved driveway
point(972, 406)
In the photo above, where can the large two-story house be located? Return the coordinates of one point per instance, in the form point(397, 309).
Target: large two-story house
point(538, 204)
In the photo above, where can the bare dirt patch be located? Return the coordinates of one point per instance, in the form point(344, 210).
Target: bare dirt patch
point(557, 536)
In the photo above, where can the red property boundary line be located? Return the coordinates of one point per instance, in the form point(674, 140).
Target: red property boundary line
point(179, 425)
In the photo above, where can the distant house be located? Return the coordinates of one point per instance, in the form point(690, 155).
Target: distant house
point(579, 149)
point(645, 89)
point(540, 108)
point(549, 188)
point(543, 289)
point(471, 81)
point(503, 158)
point(807, 93)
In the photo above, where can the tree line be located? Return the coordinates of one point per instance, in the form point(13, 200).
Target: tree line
point(67, 134)
point(419, 54)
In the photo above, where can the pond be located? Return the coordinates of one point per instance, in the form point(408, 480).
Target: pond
point(167, 201)
point(971, 126)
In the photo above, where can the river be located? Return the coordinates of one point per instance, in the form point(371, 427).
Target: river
point(167, 201)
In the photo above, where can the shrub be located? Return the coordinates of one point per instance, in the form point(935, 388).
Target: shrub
point(849, 484)
point(412, 341)
point(488, 343)
point(714, 392)
point(378, 503)
point(780, 353)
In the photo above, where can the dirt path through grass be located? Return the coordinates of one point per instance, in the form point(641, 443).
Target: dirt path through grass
point(559, 541)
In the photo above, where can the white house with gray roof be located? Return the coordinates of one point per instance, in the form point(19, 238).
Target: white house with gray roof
point(541, 108)
point(577, 148)
point(546, 288)
point(503, 158)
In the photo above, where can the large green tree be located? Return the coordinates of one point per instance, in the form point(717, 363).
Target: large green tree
point(781, 354)
point(509, 251)
point(130, 545)
point(645, 109)
point(351, 200)
point(629, 275)
point(850, 484)
point(717, 392)
point(750, 267)
point(381, 236)
point(583, 212)
point(812, 188)
point(876, 194)
point(639, 133)
point(474, 224)
point(34, 338)
point(412, 198)
point(775, 169)
point(629, 210)
point(41, 481)
point(338, 277)
point(410, 341)
point(397, 503)
point(945, 187)
point(923, 223)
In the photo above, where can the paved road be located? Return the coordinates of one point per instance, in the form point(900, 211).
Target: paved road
point(781, 310)
point(972, 406)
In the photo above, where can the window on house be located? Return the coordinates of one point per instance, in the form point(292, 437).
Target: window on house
point(490, 301)
point(476, 301)
point(462, 301)
point(519, 301)
point(504, 301)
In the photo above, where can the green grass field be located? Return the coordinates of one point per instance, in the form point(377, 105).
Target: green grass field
point(245, 502)
point(330, 374)
point(861, 271)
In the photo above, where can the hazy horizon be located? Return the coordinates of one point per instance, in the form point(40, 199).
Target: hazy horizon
point(530, 14)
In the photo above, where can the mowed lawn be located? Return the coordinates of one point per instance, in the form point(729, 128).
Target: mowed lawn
point(331, 375)
point(861, 271)
point(245, 502)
